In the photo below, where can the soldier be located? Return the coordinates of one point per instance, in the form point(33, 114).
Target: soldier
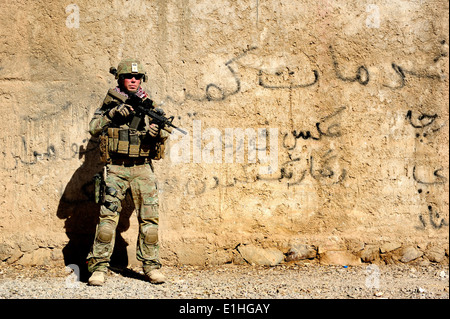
point(128, 151)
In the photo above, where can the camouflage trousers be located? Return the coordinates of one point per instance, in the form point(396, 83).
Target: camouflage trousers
point(141, 180)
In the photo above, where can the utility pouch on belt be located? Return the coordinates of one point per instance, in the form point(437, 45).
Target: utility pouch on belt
point(134, 144)
point(113, 134)
point(159, 151)
point(123, 145)
point(145, 150)
point(104, 148)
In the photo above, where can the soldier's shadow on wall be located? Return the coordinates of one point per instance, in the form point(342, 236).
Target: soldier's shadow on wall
point(77, 206)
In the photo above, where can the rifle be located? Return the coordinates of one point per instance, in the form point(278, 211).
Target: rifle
point(145, 107)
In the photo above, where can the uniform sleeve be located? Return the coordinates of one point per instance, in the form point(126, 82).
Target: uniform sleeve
point(98, 123)
point(163, 135)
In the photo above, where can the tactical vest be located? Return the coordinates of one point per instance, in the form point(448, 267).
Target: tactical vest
point(119, 140)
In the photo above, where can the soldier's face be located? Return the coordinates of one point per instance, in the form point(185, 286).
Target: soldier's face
point(131, 84)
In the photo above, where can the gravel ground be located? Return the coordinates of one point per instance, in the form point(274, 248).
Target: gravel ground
point(305, 281)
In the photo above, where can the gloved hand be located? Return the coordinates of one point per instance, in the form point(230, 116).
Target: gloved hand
point(122, 109)
point(153, 130)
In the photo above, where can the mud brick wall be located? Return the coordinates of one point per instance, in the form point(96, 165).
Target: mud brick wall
point(320, 124)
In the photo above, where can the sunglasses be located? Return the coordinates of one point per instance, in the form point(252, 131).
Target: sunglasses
point(129, 76)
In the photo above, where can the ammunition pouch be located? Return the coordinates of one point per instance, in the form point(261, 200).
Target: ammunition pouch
point(135, 143)
point(104, 148)
point(159, 151)
point(125, 141)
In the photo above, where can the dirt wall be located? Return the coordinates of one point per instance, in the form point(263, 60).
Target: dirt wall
point(320, 123)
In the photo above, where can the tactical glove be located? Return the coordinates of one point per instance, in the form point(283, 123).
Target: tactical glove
point(153, 130)
point(122, 109)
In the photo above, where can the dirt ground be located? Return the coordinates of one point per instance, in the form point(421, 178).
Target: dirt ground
point(296, 281)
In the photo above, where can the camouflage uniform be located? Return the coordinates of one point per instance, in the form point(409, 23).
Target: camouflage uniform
point(124, 172)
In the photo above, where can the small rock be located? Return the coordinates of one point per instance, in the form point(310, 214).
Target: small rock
point(340, 258)
point(331, 246)
point(261, 256)
point(16, 255)
point(389, 246)
point(28, 245)
point(421, 290)
point(35, 257)
point(355, 245)
point(300, 252)
point(435, 254)
point(369, 253)
point(378, 294)
point(410, 253)
point(5, 251)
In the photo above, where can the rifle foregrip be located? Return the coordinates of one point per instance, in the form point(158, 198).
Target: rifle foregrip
point(167, 129)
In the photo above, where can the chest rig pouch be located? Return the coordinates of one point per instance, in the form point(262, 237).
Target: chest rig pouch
point(126, 141)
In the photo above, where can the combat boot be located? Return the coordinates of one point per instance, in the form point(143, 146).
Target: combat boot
point(155, 276)
point(97, 278)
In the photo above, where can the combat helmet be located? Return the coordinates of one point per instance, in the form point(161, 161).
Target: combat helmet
point(128, 66)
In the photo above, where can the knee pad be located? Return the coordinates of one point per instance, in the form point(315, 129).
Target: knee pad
point(150, 235)
point(106, 232)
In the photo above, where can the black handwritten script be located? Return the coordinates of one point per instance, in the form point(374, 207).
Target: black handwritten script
point(361, 74)
point(216, 93)
point(333, 130)
point(401, 72)
point(320, 165)
point(51, 152)
point(424, 178)
point(263, 77)
point(323, 166)
point(423, 120)
point(433, 219)
point(428, 175)
point(425, 124)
